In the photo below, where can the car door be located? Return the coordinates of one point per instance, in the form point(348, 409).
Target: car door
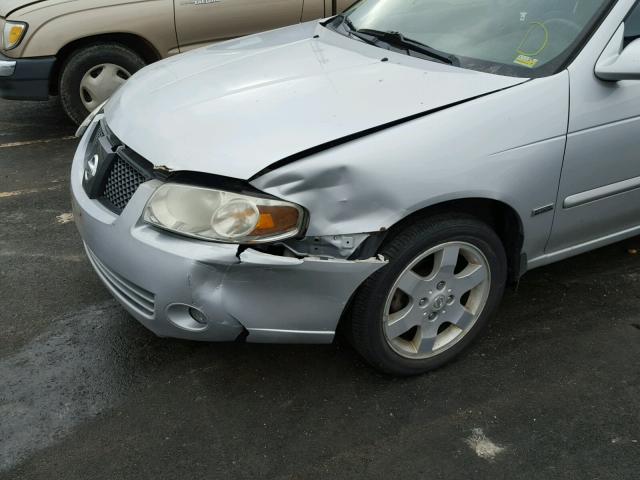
point(599, 194)
point(199, 22)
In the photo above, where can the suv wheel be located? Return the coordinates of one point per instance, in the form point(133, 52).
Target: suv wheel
point(92, 74)
point(445, 277)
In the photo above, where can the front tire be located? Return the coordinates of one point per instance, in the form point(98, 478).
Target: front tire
point(445, 277)
point(92, 74)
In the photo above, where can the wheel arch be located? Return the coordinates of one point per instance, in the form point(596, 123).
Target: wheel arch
point(135, 42)
point(500, 216)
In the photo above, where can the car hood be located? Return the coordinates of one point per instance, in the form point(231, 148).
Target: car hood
point(236, 108)
point(8, 6)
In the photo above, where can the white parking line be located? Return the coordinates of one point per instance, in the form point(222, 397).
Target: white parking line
point(26, 191)
point(34, 142)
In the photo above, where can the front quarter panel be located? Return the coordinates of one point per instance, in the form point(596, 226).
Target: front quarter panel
point(56, 23)
point(507, 146)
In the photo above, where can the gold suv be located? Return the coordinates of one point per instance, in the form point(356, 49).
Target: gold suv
point(83, 50)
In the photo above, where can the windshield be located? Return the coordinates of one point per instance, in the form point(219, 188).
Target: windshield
point(512, 37)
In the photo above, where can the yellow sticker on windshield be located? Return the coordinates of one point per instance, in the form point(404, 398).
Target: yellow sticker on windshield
point(526, 61)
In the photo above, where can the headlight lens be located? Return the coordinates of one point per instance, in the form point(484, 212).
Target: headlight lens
point(222, 216)
point(13, 34)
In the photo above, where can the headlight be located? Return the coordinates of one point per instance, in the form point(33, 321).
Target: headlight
point(13, 34)
point(221, 216)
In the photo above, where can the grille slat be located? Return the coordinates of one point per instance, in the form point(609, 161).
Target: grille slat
point(122, 182)
point(138, 298)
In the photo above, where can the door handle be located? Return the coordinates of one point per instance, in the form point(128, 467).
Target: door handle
point(199, 2)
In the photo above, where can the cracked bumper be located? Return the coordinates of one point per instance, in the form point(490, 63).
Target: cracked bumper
point(157, 277)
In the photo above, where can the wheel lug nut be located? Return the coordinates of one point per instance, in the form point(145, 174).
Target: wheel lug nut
point(433, 315)
point(451, 299)
point(441, 285)
point(422, 302)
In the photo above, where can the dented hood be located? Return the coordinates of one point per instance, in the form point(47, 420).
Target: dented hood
point(236, 108)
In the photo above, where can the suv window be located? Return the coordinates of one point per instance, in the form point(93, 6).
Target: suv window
point(632, 24)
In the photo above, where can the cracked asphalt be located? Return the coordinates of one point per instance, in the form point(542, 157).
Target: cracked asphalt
point(552, 390)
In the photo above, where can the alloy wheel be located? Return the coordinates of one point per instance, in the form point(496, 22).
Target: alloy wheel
point(436, 300)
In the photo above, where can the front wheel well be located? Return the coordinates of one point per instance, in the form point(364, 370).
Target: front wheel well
point(134, 42)
point(501, 217)
point(498, 215)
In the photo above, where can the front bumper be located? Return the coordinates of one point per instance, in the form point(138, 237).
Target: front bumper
point(158, 276)
point(25, 78)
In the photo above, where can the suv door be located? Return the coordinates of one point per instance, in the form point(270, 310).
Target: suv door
point(602, 158)
point(199, 22)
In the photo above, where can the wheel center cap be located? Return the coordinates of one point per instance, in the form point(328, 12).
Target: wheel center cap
point(438, 303)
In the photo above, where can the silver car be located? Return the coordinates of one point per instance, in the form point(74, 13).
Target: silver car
point(385, 172)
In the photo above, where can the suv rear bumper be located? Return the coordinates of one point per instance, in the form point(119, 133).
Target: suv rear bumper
point(25, 78)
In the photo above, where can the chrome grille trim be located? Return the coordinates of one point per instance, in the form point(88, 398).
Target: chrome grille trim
point(136, 297)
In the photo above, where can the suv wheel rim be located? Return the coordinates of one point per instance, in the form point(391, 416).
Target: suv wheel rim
point(100, 82)
point(436, 300)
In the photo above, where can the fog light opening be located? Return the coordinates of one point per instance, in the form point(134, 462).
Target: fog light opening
point(187, 317)
point(198, 316)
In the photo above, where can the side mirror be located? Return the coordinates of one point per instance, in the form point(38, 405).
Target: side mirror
point(617, 62)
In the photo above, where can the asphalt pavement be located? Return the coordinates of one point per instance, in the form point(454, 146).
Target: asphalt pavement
point(552, 390)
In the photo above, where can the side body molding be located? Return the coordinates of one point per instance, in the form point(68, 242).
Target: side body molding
point(602, 192)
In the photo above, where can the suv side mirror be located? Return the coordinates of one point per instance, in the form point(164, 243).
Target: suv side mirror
point(617, 62)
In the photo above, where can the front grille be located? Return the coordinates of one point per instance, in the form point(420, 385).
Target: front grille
point(141, 300)
point(119, 171)
point(122, 182)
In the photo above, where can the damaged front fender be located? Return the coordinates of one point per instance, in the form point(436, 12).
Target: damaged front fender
point(489, 149)
point(280, 299)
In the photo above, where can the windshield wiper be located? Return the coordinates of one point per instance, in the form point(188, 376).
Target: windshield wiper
point(397, 39)
point(345, 21)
